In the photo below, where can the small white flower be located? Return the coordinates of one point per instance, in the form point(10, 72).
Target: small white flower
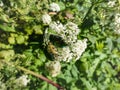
point(117, 31)
point(78, 48)
point(57, 27)
point(54, 68)
point(1, 4)
point(64, 54)
point(67, 55)
point(68, 32)
point(72, 28)
point(22, 81)
point(46, 19)
point(117, 23)
point(54, 7)
point(111, 3)
point(2, 86)
point(117, 18)
point(71, 32)
point(74, 51)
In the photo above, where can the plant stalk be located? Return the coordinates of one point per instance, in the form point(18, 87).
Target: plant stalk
point(34, 74)
point(41, 77)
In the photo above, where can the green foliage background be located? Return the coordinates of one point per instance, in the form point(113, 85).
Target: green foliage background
point(21, 43)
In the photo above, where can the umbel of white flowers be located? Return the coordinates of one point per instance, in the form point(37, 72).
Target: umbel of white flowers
point(53, 67)
point(22, 81)
point(117, 23)
point(111, 3)
point(2, 85)
point(46, 19)
point(54, 7)
point(1, 4)
point(68, 32)
point(72, 51)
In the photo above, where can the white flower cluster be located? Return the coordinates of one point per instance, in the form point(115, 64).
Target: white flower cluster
point(2, 85)
point(22, 81)
point(68, 31)
point(74, 51)
point(78, 48)
point(64, 54)
point(46, 19)
point(57, 27)
point(54, 7)
point(53, 67)
point(1, 4)
point(117, 23)
point(71, 32)
point(111, 3)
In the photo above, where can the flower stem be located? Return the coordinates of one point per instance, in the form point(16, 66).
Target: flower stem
point(34, 74)
point(41, 77)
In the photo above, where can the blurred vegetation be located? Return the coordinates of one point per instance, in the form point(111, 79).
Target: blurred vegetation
point(21, 43)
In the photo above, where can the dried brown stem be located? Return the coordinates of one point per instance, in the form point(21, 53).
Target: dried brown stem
point(41, 77)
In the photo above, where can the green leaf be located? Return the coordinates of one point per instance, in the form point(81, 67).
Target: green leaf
point(42, 56)
point(44, 86)
point(92, 38)
point(28, 30)
point(74, 71)
point(7, 54)
point(109, 43)
point(7, 28)
point(11, 40)
point(93, 67)
point(27, 18)
point(62, 5)
point(38, 62)
point(114, 87)
point(87, 84)
point(51, 87)
point(20, 39)
point(4, 17)
point(37, 29)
